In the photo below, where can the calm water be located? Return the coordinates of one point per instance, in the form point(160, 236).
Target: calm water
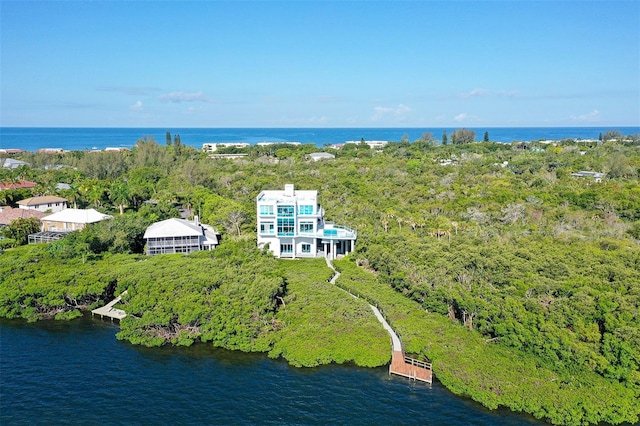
point(32, 139)
point(78, 373)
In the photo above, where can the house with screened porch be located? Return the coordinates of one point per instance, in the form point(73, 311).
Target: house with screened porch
point(291, 224)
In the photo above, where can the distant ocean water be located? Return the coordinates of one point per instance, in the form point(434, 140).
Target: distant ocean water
point(76, 372)
point(34, 138)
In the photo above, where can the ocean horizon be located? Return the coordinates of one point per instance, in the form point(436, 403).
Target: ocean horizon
point(87, 138)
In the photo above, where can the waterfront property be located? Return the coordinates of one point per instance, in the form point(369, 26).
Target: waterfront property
point(48, 203)
point(291, 224)
point(179, 236)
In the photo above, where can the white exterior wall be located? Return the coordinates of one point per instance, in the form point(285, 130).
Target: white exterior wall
point(269, 201)
point(48, 207)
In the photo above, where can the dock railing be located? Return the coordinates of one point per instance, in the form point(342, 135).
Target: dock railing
point(417, 363)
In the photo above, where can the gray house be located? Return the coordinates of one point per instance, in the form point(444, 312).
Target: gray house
point(179, 236)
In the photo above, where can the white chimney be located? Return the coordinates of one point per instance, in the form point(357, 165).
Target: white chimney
point(289, 190)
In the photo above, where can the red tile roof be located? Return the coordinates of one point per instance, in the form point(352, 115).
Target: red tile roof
point(17, 185)
point(8, 214)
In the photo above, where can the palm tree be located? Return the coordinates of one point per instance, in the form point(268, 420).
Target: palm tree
point(120, 194)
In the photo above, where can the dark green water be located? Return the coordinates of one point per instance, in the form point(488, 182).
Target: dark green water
point(76, 372)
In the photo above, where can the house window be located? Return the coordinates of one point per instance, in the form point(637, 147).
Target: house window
point(286, 226)
point(306, 227)
point(305, 209)
point(285, 211)
point(266, 210)
point(266, 227)
point(286, 248)
point(306, 248)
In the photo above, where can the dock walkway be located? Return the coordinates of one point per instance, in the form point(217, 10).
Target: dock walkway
point(401, 365)
point(109, 311)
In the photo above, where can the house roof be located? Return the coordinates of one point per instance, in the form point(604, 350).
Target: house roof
point(10, 163)
point(8, 214)
point(17, 185)
point(321, 155)
point(175, 228)
point(36, 201)
point(288, 195)
point(77, 216)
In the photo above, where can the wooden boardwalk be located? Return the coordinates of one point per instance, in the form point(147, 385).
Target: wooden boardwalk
point(401, 365)
point(109, 311)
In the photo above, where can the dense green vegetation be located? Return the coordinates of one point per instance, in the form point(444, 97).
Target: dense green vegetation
point(518, 280)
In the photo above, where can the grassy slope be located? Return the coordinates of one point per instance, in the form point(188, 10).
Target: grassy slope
point(489, 373)
point(322, 324)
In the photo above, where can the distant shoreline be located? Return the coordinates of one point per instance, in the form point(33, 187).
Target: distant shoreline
point(32, 139)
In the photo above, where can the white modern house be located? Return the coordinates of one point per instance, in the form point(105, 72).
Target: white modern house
point(179, 236)
point(47, 203)
point(291, 224)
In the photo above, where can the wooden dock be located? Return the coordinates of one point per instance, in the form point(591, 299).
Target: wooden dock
point(109, 311)
point(402, 365)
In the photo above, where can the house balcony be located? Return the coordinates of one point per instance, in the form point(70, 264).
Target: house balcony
point(336, 232)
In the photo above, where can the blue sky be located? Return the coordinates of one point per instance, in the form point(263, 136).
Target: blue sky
point(319, 64)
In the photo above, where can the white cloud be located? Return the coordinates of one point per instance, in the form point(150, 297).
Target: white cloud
point(589, 117)
point(464, 117)
point(474, 93)
point(398, 113)
point(136, 107)
point(177, 97)
point(460, 117)
point(508, 93)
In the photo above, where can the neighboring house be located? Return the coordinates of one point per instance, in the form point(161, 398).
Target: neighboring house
point(213, 147)
point(291, 223)
point(10, 163)
point(23, 184)
point(316, 156)
point(597, 176)
point(372, 144)
point(179, 236)
point(69, 220)
point(9, 214)
point(48, 203)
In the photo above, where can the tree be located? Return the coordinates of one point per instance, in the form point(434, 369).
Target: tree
point(177, 145)
point(486, 137)
point(462, 136)
point(20, 229)
point(120, 195)
point(612, 135)
point(235, 219)
point(168, 138)
point(444, 137)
